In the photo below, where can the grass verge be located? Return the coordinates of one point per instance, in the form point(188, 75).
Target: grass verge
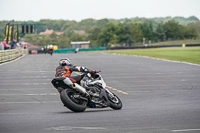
point(187, 54)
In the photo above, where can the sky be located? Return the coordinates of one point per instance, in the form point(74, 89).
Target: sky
point(24, 10)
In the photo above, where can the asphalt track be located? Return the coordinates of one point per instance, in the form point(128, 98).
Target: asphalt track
point(158, 96)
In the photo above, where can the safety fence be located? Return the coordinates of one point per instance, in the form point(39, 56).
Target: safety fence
point(8, 55)
point(154, 46)
point(71, 50)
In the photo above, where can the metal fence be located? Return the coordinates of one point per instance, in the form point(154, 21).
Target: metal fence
point(8, 55)
point(154, 46)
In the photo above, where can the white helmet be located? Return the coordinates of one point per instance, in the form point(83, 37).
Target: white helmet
point(64, 62)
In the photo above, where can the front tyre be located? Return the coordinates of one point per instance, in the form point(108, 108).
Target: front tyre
point(68, 97)
point(115, 102)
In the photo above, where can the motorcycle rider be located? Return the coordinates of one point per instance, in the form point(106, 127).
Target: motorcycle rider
point(50, 49)
point(65, 69)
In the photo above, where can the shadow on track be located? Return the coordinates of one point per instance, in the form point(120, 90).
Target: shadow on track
point(87, 111)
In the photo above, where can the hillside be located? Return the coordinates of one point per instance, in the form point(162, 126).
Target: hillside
point(107, 32)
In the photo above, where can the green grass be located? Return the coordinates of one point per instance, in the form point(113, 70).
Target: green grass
point(187, 54)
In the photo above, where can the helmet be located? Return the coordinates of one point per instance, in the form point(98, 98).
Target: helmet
point(64, 62)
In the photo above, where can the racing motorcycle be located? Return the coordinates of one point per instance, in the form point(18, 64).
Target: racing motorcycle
point(90, 92)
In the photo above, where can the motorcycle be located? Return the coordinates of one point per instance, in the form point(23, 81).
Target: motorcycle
point(90, 92)
point(50, 51)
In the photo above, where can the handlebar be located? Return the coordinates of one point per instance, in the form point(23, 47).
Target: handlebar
point(98, 71)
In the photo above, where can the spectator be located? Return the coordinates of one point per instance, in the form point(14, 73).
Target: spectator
point(18, 47)
point(4, 44)
point(25, 46)
point(1, 46)
point(13, 43)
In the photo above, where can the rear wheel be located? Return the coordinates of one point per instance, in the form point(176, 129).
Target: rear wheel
point(70, 100)
point(115, 102)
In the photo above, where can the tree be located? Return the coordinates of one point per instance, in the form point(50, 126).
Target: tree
point(2, 36)
point(189, 32)
point(147, 31)
point(94, 36)
point(160, 33)
point(109, 35)
point(196, 26)
point(173, 30)
point(125, 36)
point(193, 18)
point(136, 32)
point(102, 23)
point(86, 24)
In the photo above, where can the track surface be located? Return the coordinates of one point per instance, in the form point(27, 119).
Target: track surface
point(158, 96)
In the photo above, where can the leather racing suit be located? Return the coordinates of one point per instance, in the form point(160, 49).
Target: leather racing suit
point(66, 71)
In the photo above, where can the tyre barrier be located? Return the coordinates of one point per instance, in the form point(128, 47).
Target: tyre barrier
point(8, 55)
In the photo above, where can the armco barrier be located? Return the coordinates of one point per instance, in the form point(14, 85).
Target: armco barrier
point(156, 46)
point(71, 50)
point(8, 55)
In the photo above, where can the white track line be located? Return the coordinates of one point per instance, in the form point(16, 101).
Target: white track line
point(185, 130)
point(42, 94)
point(29, 102)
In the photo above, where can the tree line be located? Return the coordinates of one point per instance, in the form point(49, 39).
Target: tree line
point(111, 32)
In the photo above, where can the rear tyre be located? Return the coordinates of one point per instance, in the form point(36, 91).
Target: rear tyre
point(69, 100)
point(115, 102)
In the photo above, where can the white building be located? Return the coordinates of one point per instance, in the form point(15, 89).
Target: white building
point(80, 44)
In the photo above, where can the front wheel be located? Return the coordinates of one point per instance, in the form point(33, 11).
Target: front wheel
point(68, 97)
point(115, 102)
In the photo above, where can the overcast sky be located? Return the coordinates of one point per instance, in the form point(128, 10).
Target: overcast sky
point(35, 10)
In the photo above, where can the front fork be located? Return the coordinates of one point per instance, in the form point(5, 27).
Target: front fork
point(109, 92)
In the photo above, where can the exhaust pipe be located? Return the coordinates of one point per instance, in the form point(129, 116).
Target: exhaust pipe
point(79, 88)
point(75, 86)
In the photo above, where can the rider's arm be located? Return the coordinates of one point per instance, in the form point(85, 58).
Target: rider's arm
point(82, 69)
